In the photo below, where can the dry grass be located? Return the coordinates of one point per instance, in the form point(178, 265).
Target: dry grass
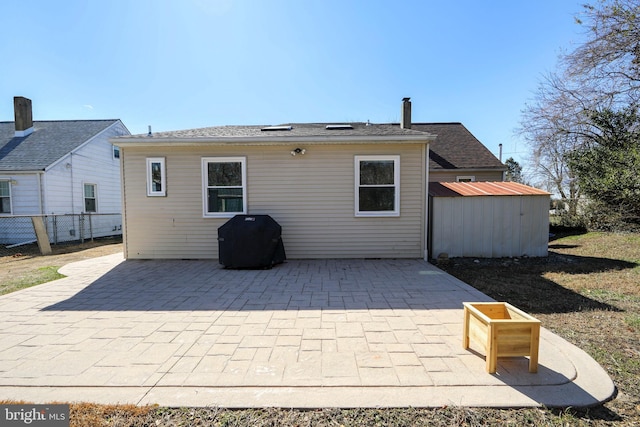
point(23, 266)
point(587, 291)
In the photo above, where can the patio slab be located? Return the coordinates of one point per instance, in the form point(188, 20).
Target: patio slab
point(306, 334)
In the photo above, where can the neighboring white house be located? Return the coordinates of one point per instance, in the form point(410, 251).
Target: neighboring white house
point(60, 167)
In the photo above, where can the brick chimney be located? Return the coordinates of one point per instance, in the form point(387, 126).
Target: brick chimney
point(23, 115)
point(405, 114)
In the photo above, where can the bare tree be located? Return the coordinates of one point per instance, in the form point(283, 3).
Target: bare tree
point(609, 60)
point(552, 124)
point(601, 74)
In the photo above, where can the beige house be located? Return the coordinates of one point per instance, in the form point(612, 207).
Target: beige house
point(355, 190)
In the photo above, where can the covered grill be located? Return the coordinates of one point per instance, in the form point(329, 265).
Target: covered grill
point(250, 241)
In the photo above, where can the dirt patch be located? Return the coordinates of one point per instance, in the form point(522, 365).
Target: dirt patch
point(23, 260)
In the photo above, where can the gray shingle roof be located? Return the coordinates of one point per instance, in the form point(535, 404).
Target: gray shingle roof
point(456, 148)
point(49, 142)
point(298, 130)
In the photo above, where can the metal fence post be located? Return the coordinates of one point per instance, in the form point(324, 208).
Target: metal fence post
point(90, 226)
point(81, 226)
point(55, 229)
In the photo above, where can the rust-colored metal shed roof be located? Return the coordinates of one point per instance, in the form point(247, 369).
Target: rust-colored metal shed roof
point(466, 189)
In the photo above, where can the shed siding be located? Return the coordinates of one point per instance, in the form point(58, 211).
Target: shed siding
point(311, 196)
point(491, 226)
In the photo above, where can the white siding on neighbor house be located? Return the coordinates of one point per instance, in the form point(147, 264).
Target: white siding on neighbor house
point(311, 196)
point(451, 176)
point(490, 227)
point(57, 184)
point(24, 201)
point(91, 163)
point(24, 193)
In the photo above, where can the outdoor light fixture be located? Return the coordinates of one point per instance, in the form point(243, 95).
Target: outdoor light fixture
point(298, 151)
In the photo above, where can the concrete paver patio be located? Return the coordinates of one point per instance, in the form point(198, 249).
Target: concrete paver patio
point(307, 333)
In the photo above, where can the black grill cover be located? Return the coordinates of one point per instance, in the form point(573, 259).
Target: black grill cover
point(250, 241)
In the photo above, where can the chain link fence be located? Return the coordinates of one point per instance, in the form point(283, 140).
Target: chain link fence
point(17, 232)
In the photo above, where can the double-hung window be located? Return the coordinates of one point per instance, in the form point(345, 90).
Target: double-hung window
point(224, 184)
point(90, 198)
point(377, 185)
point(5, 197)
point(156, 177)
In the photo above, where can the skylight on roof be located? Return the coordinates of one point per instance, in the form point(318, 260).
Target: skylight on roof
point(275, 128)
point(338, 127)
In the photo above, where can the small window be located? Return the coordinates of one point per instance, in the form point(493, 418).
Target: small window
point(224, 183)
point(5, 197)
point(465, 178)
point(90, 199)
point(116, 152)
point(377, 185)
point(156, 177)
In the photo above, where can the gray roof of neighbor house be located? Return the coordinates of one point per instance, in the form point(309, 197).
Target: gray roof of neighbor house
point(456, 148)
point(282, 132)
point(49, 142)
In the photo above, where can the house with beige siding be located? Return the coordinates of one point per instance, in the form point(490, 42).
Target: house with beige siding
point(339, 190)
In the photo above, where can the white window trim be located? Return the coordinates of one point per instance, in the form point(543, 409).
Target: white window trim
point(243, 165)
point(465, 178)
point(8, 181)
point(396, 185)
point(95, 197)
point(163, 177)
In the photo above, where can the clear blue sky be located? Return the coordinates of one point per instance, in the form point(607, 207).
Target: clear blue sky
point(179, 64)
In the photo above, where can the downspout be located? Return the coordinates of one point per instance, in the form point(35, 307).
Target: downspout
point(123, 208)
point(40, 180)
point(73, 205)
point(426, 203)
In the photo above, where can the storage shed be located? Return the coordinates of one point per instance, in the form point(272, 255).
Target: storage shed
point(488, 220)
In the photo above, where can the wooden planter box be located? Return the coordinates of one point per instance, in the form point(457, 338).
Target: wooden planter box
point(503, 331)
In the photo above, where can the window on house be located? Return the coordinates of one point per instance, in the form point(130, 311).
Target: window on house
point(116, 152)
point(377, 185)
point(5, 197)
point(90, 198)
point(465, 178)
point(156, 177)
point(224, 183)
